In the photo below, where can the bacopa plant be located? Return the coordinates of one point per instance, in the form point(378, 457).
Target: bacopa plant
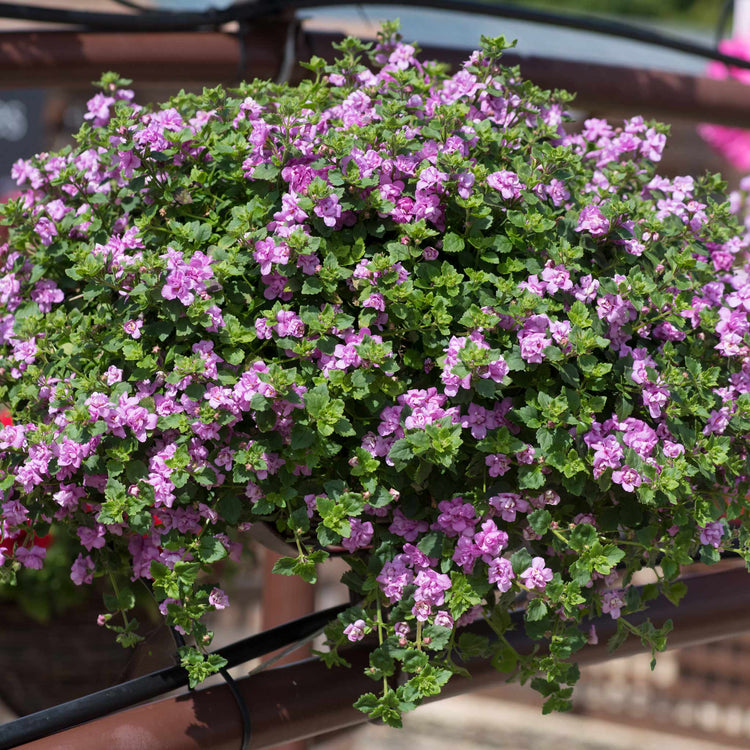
point(392, 313)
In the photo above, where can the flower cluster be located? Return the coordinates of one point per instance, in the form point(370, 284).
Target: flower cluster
point(397, 314)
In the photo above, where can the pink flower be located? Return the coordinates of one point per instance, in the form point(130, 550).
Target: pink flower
point(490, 541)
point(732, 143)
point(712, 533)
point(526, 456)
point(466, 553)
point(45, 294)
point(289, 323)
point(533, 285)
point(329, 210)
point(533, 346)
point(456, 518)
point(133, 328)
point(508, 504)
point(627, 477)
point(422, 611)
point(92, 538)
point(355, 631)
point(607, 456)
point(556, 277)
point(443, 619)
point(586, 289)
point(477, 420)
point(394, 578)
point(218, 599)
point(673, 450)
point(655, 398)
point(497, 464)
point(537, 575)
point(612, 602)
point(360, 536)
point(376, 301)
point(267, 252)
point(82, 570)
point(113, 375)
point(501, 573)
point(407, 528)
point(431, 586)
point(24, 351)
point(593, 221)
point(31, 557)
point(506, 183)
point(401, 629)
point(178, 286)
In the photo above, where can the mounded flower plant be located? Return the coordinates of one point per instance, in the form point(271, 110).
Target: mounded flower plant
point(392, 313)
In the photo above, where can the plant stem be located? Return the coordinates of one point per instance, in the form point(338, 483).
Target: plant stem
point(380, 638)
point(116, 589)
point(560, 536)
point(299, 546)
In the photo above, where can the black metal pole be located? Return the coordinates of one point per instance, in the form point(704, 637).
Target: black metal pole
point(103, 702)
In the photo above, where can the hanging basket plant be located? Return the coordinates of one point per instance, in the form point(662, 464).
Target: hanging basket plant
point(392, 311)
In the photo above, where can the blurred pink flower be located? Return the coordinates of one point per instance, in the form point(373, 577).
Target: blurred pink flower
point(732, 143)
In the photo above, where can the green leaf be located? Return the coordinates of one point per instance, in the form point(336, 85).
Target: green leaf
point(613, 555)
point(474, 646)
point(453, 243)
point(285, 566)
point(401, 452)
point(386, 708)
point(462, 595)
point(583, 535)
point(505, 659)
point(366, 703)
point(312, 285)
point(211, 550)
point(530, 477)
point(327, 536)
point(136, 470)
point(539, 520)
point(520, 560)
point(431, 544)
point(675, 591)
point(303, 566)
point(265, 171)
point(430, 680)
point(316, 400)
point(414, 661)
point(536, 610)
point(230, 508)
point(123, 601)
point(381, 663)
point(439, 637)
point(710, 555)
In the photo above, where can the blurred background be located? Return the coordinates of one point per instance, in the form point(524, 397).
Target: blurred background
point(695, 698)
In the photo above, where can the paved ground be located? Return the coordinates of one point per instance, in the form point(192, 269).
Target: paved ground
point(473, 723)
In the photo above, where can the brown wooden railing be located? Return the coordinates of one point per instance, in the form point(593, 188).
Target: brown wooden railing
point(305, 699)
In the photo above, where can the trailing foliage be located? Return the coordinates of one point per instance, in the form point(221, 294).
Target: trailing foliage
point(397, 314)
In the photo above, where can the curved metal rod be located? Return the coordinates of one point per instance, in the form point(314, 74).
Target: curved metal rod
point(247, 11)
point(104, 702)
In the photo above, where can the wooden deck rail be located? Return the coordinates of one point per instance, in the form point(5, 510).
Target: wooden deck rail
point(306, 699)
point(74, 59)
